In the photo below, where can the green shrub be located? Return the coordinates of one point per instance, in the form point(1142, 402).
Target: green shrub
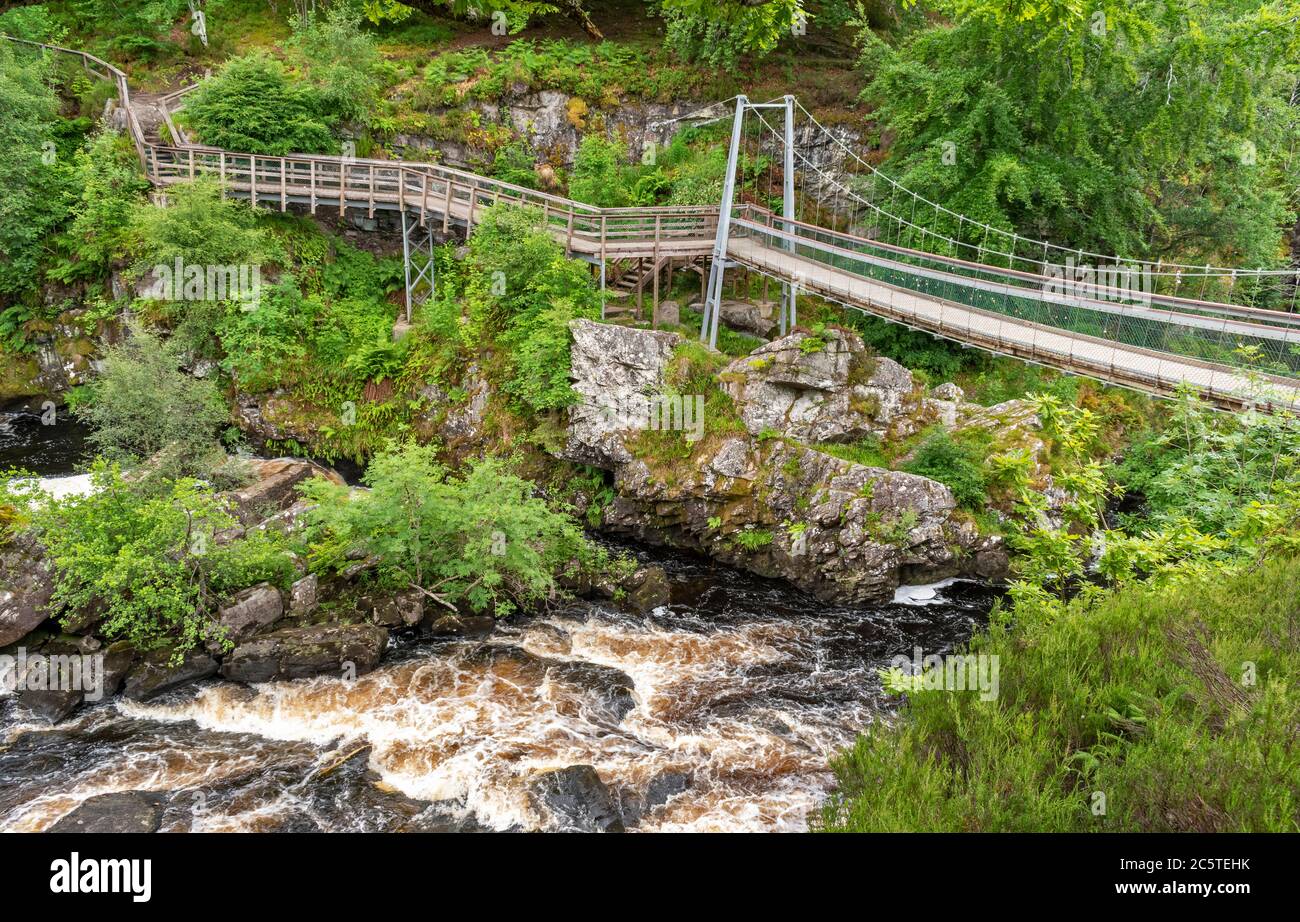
point(480, 538)
point(599, 173)
point(148, 561)
point(340, 61)
point(1177, 703)
point(107, 176)
point(141, 407)
point(958, 465)
point(253, 106)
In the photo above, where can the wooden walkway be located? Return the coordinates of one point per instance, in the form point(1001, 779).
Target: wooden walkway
point(814, 259)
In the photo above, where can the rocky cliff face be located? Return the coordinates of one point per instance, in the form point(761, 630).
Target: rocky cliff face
point(843, 531)
point(825, 388)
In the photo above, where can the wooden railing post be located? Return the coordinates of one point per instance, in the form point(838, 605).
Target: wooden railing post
point(284, 184)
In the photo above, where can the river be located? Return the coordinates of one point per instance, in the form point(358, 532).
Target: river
point(742, 688)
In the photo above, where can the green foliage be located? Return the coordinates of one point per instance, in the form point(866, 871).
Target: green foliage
point(599, 74)
point(481, 538)
point(201, 227)
point(339, 60)
point(958, 464)
point(1122, 134)
point(599, 175)
point(143, 407)
point(253, 106)
point(106, 175)
point(752, 539)
point(262, 346)
point(520, 288)
point(32, 23)
point(33, 171)
point(513, 163)
point(131, 28)
point(148, 561)
point(718, 33)
point(377, 360)
point(1208, 468)
point(867, 451)
point(940, 359)
point(1144, 694)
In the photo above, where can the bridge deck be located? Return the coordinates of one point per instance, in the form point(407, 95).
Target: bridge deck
point(1196, 341)
point(1131, 366)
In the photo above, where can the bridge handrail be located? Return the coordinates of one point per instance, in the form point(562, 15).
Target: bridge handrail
point(1263, 315)
point(117, 77)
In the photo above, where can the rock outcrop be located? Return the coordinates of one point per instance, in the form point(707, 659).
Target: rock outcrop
point(822, 388)
point(121, 811)
point(25, 589)
point(576, 800)
point(617, 372)
point(844, 531)
point(299, 652)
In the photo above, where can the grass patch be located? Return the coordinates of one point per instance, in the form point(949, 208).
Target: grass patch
point(1144, 695)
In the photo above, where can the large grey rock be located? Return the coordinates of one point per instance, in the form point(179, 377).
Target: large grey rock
point(122, 811)
point(843, 531)
point(295, 653)
point(155, 673)
point(249, 611)
point(819, 389)
point(397, 609)
point(303, 595)
point(275, 488)
point(25, 589)
point(617, 372)
point(757, 318)
point(576, 800)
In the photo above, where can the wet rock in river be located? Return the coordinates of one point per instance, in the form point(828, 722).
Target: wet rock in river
point(576, 800)
point(27, 587)
point(440, 622)
point(299, 652)
point(123, 811)
point(661, 789)
point(249, 611)
point(155, 674)
point(649, 588)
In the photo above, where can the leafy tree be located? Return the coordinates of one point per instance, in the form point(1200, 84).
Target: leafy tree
point(521, 288)
point(340, 60)
point(718, 32)
point(107, 177)
point(599, 174)
point(148, 559)
point(1146, 129)
point(142, 407)
point(513, 163)
point(33, 176)
point(262, 346)
point(480, 539)
point(253, 106)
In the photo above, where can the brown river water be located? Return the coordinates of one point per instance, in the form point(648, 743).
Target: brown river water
point(741, 690)
point(741, 687)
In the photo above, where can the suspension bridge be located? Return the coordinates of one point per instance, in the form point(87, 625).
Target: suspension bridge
point(836, 227)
